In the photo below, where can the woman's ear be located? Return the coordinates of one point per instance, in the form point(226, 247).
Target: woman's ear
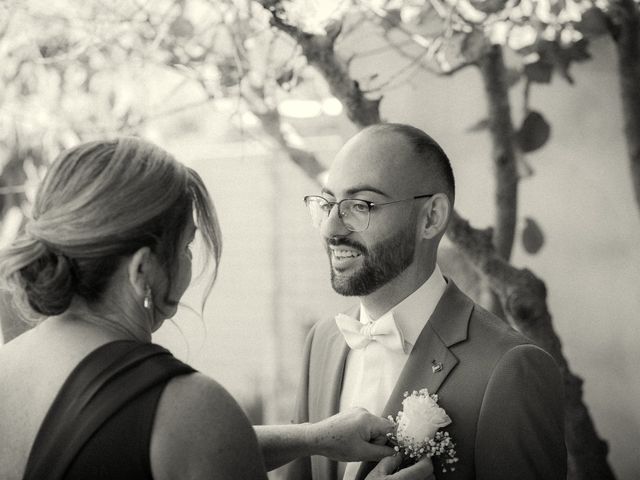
point(140, 270)
point(435, 216)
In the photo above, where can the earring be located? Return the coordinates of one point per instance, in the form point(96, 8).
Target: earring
point(148, 299)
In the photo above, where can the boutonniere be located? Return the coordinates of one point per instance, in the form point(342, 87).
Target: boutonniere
point(416, 430)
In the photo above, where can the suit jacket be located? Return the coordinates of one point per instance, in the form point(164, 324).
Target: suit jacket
point(503, 394)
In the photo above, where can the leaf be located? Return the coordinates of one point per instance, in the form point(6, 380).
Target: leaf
point(576, 52)
point(539, 72)
point(393, 16)
point(181, 28)
point(593, 23)
point(563, 56)
point(533, 133)
point(478, 126)
point(285, 77)
point(473, 45)
point(229, 73)
point(488, 6)
point(532, 236)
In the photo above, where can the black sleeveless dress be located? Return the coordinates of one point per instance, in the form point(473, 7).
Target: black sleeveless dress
point(99, 426)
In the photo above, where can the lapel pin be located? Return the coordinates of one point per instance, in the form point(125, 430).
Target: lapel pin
point(436, 366)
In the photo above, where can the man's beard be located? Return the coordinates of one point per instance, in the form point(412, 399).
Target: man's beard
point(381, 263)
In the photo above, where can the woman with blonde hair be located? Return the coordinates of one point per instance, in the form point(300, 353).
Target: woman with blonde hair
point(103, 261)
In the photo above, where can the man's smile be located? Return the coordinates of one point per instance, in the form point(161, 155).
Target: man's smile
point(343, 257)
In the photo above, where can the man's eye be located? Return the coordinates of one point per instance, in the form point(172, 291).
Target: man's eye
point(360, 207)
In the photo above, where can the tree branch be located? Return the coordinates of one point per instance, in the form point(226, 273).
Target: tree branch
point(320, 54)
point(430, 45)
point(272, 125)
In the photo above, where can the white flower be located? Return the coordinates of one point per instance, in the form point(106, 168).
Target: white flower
point(420, 419)
point(417, 432)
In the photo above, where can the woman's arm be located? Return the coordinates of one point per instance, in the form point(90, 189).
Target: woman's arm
point(352, 435)
point(201, 432)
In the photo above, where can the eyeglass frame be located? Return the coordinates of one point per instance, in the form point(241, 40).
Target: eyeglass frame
point(369, 204)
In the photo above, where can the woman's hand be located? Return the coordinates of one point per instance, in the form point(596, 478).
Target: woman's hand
point(422, 470)
point(351, 436)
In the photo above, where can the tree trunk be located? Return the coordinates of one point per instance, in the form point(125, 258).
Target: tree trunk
point(627, 38)
point(494, 76)
point(524, 296)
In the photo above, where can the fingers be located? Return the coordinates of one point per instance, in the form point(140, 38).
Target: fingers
point(371, 452)
point(420, 470)
point(381, 440)
point(385, 468)
point(388, 465)
point(380, 426)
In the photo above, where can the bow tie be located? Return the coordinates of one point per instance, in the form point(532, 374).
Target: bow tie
point(358, 335)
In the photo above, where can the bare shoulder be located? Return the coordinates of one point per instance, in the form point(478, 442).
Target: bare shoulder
point(201, 432)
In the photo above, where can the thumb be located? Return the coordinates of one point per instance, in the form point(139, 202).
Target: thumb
point(388, 465)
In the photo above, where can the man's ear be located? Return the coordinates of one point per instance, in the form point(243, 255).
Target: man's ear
point(435, 216)
point(140, 270)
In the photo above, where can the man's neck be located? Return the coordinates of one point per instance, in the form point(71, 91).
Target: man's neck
point(391, 294)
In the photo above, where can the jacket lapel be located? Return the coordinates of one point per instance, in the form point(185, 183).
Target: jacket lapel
point(431, 361)
point(330, 381)
point(327, 385)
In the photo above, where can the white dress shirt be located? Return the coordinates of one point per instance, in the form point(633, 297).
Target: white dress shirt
point(371, 372)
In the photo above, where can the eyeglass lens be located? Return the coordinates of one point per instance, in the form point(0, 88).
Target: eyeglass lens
point(353, 213)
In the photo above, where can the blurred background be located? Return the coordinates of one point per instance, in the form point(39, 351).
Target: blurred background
point(536, 102)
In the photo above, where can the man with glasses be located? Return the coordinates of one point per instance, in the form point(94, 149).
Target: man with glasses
point(382, 212)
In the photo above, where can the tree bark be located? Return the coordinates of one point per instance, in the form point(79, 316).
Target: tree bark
point(627, 39)
point(494, 76)
point(319, 52)
point(524, 296)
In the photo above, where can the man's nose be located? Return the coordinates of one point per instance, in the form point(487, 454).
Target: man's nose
point(333, 225)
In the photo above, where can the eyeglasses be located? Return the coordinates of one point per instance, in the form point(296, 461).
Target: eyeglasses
point(354, 213)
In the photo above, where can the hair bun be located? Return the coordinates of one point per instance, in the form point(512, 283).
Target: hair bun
point(49, 283)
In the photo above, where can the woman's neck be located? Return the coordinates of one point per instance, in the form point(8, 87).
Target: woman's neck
point(114, 325)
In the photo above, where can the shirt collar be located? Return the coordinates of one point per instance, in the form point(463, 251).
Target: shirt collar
point(412, 313)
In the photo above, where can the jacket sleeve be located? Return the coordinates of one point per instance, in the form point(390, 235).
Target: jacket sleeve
point(521, 423)
point(300, 469)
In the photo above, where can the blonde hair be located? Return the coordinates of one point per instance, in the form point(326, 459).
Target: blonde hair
point(100, 201)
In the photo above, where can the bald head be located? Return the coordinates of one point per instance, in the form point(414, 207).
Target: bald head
point(397, 159)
